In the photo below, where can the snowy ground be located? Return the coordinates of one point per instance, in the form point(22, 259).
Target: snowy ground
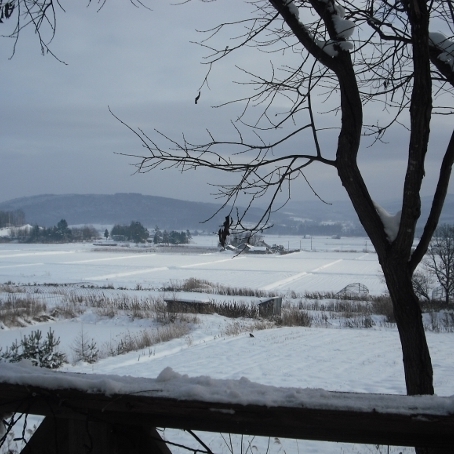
point(359, 360)
point(323, 264)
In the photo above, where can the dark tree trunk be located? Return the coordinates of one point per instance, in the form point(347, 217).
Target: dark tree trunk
point(395, 255)
point(398, 275)
point(416, 357)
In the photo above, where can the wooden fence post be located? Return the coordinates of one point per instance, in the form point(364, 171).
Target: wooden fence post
point(76, 436)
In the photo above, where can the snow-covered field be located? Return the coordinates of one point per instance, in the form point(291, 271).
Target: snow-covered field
point(329, 266)
point(359, 360)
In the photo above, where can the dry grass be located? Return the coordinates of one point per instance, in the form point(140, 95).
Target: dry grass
point(203, 286)
point(382, 305)
point(22, 305)
point(22, 309)
point(67, 310)
point(440, 322)
point(144, 339)
point(295, 317)
point(235, 309)
point(244, 326)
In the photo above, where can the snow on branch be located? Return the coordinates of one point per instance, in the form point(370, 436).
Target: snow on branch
point(445, 45)
point(390, 222)
point(344, 29)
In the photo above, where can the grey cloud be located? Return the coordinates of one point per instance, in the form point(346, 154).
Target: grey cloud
point(58, 135)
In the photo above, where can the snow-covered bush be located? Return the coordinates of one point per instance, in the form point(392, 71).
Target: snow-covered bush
point(41, 352)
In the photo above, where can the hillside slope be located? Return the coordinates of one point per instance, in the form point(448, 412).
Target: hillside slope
point(167, 213)
point(121, 208)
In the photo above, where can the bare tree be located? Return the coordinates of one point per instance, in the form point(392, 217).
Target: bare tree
point(440, 261)
point(364, 57)
point(40, 15)
point(422, 284)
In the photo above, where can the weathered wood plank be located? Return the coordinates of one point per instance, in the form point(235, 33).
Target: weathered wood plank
point(75, 436)
point(304, 422)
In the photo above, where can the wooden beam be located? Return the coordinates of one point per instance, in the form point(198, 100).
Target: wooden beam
point(75, 436)
point(304, 422)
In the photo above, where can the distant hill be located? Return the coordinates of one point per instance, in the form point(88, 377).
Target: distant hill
point(447, 216)
point(167, 213)
point(342, 211)
point(122, 208)
point(48, 209)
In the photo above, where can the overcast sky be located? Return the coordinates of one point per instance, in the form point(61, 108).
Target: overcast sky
point(57, 135)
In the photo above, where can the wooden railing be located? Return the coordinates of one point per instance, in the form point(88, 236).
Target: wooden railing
point(79, 421)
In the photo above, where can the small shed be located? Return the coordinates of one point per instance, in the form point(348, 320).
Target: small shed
point(354, 290)
point(270, 307)
point(189, 305)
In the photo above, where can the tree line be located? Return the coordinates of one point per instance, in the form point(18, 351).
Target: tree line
point(172, 237)
point(60, 233)
point(137, 233)
point(12, 218)
point(317, 229)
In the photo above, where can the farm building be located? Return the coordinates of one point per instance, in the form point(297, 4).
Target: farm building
point(264, 308)
point(270, 307)
point(187, 305)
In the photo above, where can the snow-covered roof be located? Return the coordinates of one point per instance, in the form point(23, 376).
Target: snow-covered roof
point(188, 300)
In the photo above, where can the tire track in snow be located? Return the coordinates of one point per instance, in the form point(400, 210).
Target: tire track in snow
point(22, 265)
point(148, 270)
point(108, 259)
point(297, 277)
point(128, 273)
point(211, 263)
point(36, 254)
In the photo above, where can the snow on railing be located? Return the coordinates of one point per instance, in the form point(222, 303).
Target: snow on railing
point(231, 406)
